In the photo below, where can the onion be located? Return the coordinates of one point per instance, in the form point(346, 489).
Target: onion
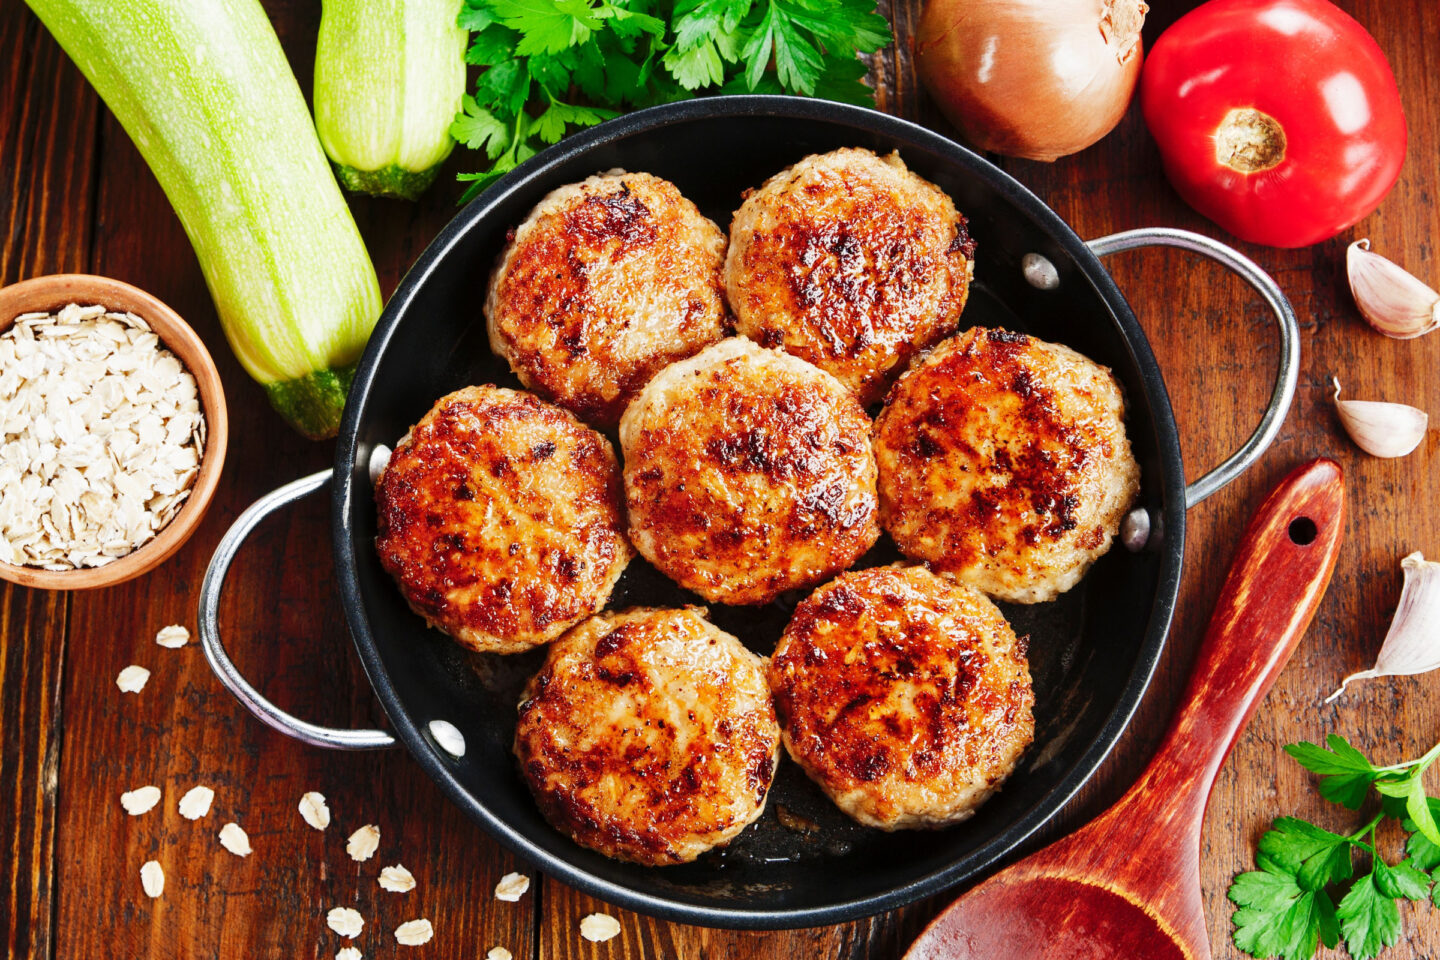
point(1031, 78)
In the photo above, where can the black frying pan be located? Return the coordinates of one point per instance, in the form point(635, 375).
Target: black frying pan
point(1091, 652)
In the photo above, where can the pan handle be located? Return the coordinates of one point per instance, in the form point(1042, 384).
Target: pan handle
point(209, 620)
point(1135, 531)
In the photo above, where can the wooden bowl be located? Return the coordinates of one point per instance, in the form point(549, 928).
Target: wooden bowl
point(49, 294)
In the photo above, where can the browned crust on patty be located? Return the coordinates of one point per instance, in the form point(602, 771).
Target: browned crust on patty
point(606, 283)
point(851, 262)
point(1003, 460)
point(748, 473)
point(500, 519)
point(904, 694)
point(649, 735)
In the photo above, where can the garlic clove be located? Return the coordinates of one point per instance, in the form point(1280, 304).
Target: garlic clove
point(1394, 301)
point(1381, 429)
point(1412, 644)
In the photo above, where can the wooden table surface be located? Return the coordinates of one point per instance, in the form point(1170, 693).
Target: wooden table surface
point(77, 197)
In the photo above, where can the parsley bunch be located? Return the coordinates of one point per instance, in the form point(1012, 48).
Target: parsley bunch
point(553, 66)
point(1288, 907)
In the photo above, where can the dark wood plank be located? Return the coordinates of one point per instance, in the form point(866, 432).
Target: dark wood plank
point(30, 671)
point(1213, 340)
point(282, 620)
point(1215, 343)
point(1392, 504)
point(48, 126)
point(884, 935)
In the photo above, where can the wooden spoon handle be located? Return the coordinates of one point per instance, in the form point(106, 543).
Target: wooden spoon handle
point(1275, 583)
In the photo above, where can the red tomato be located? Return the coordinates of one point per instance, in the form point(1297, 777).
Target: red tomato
point(1278, 119)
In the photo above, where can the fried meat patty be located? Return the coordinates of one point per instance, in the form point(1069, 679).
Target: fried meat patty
point(605, 283)
point(905, 695)
point(850, 261)
point(1004, 461)
point(500, 519)
point(649, 735)
point(748, 472)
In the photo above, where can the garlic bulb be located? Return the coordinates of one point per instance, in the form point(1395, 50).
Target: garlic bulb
point(1395, 302)
point(1412, 644)
point(1381, 429)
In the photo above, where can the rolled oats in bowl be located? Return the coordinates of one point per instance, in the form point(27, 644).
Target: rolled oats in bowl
point(101, 437)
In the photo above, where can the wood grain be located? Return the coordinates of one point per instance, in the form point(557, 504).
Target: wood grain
point(76, 196)
point(281, 618)
point(48, 127)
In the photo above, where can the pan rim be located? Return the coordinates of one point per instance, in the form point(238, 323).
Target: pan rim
point(1171, 484)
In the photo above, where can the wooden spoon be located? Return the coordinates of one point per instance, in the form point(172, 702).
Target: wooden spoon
point(1128, 884)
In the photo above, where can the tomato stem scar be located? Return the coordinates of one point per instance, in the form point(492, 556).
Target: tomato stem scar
point(1249, 141)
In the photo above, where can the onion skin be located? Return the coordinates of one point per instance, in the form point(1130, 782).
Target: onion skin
point(990, 66)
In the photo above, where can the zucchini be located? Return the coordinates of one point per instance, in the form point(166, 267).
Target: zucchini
point(389, 80)
point(204, 90)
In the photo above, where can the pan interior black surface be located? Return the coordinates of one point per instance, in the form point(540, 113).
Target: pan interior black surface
point(1091, 652)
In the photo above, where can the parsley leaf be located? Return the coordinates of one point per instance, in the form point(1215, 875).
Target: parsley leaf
point(475, 16)
point(1424, 852)
point(797, 61)
point(847, 27)
point(550, 127)
point(547, 26)
point(553, 66)
point(1422, 814)
point(697, 21)
point(1369, 918)
point(841, 81)
point(1337, 756)
point(1402, 880)
point(505, 86)
point(510, 157)
point(1314, 856)
point(629, 23)
point(492, 45)
point(1347, 775)
point(1299, 860)
point(1275, 918)
point(1417, 809)
point(697, 67)
point(479, 129)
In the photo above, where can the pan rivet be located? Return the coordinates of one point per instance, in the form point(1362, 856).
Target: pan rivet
point(379, 459)
point(1039, 272)
point(1135, 529)
point(451, 740)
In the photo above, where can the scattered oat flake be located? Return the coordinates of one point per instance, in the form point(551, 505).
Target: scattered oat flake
point(512, 887)
point(132, 679)
point(397, 879)
point(152, 878)
point(233, 838)
point(140, 801)
point(348, 953)
point(196, 802)
point(313, 809)
point(599, 927)
point(363, 842)
point(414, 932)
point(345, 921)
point(173, 636)
point(498, 953)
